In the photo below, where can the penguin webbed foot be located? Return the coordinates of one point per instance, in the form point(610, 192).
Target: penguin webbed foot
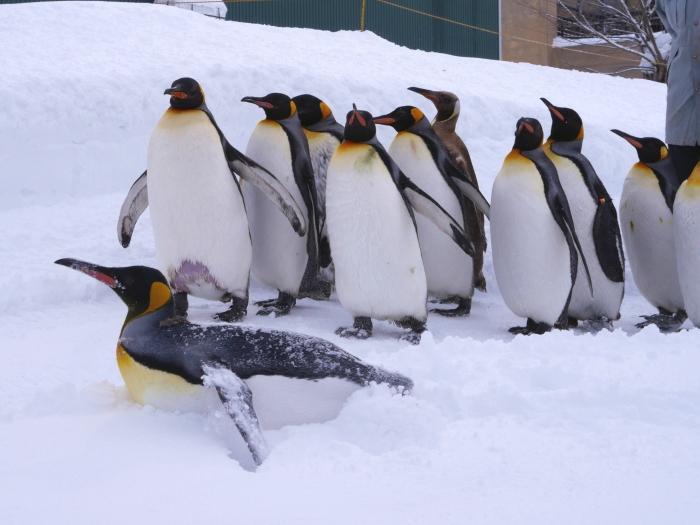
point(361, 329)
point(532, 327)
point(318, 291)
point(281, 306)
point(463, 308)
point(664, 320)
point(416, 328)
point(597, 324)
point(236, 312)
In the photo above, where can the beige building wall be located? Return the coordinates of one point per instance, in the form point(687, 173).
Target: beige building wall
point(528, 28)
point(598, 59)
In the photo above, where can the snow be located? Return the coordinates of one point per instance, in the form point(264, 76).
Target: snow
point(563, 428)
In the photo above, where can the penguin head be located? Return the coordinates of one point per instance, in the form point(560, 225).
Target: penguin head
point(359, 126)
point(402, 118)
point(566, 123)
point(649, 149)
point(311, 109)
point(446, 103)
point(185, 93)
point(277, 106)
point(143, 289)
point(528, 134)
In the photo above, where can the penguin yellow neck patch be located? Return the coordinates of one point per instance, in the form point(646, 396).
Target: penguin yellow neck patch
point(417, 114)
point(159, 296)
point(694, 178)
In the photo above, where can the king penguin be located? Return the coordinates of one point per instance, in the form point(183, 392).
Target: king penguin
point(264, 378)
point(595, 219)
point(199, 218)
point(445, 126)
point(422, 156)
point(646, 217)
point(686, 236)
point(370, 204)
point(533, 237)
point(282, 260)
point(323, 134)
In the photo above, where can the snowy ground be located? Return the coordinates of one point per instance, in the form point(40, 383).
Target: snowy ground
point(563, 428)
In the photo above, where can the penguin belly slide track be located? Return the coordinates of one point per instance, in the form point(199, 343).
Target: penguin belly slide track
point(264, 378)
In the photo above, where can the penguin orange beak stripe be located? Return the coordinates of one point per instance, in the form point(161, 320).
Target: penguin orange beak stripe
point(430, 95)
point(258, 102)
point(527, 126)
point(387, 121)
point(94, 271)
point(356, 115)
point(553, 109)
point(629, 138)
point(175, 93)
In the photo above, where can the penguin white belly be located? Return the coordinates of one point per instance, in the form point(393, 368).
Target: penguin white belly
point(448, 269)
point(647, 232)
point(378, 267)
point(686, 231)
point(199, 221)
point(279, 254)
point(607, 295)
point(530, 253)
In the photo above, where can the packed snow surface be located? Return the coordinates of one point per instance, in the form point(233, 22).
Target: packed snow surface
point(564, 428)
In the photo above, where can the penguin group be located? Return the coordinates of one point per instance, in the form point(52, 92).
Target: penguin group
point(315, 206)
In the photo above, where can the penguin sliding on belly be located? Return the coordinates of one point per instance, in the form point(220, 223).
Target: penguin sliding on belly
point(324, 135)
point(199, 218)
point(595, 219)
point(263, 377)
point(533, 238)
point(686, 236)
point(646, 217)
point(421, 155)
point(379, 270)
point(282, 260)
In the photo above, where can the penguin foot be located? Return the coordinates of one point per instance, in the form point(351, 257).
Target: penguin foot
point(480, 282)
point(596, 325)
point(319, 291)
point(265, 302)
point(665, 321)
point(411, 337)
point(464, 306)
point(566, 324)
point(415, 326)
point(532, 327)
point(282, 306)
point(237, 311)
point(361, 329)
point(174, 321)
point(181, 304)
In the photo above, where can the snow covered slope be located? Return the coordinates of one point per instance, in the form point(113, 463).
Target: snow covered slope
point(563, 428)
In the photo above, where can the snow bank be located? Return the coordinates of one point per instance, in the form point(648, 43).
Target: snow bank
point(564, 428)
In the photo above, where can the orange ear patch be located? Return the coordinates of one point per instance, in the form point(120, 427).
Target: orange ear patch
point(159, 296)
point(417, 114)
point(292, 107)
point(325, 110)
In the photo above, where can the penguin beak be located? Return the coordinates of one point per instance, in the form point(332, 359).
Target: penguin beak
point(176, 93)
point(385, 120)
point(102, 274)
point(258, 101)
point(430, 95)
point(629, 138)
point(553, 109)
point(356, 116)
point(525, 126)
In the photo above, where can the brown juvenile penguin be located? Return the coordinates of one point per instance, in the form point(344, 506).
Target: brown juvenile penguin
point(444, 124)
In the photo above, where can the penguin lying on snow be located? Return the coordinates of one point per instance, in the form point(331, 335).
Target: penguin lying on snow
point(595, 219)
point(259, 375)
point(646, 216)
point(369, 203)
point(324, 135)
point(533, 238)
point(282, 260)
point(686, 236)
point(444, 124)
point(199, 218)
point(421, 155)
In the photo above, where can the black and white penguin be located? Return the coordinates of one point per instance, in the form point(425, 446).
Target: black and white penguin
point(422, 156)
point(533, 238)
point(199, 218)
point(263, 377)
point(646, 219)
point(282, 260)
point(323, 134)
point(379, 271)
point(686, 236)
point(595, 219)
point(445, 126)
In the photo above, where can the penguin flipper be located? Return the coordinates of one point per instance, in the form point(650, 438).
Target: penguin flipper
point(134, 204)
point(608, 244)
point(431, 209)
point(471, 192)
point(238, 402)
point(252, 172)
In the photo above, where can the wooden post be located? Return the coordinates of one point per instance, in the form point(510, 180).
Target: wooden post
point(363, 12)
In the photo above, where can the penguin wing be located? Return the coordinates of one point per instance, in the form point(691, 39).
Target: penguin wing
point(416, 199)
point(450, 170)
point(606, 229)
point(238, 402)
point(266, 182)
point(559, 207)
point(134, 204)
